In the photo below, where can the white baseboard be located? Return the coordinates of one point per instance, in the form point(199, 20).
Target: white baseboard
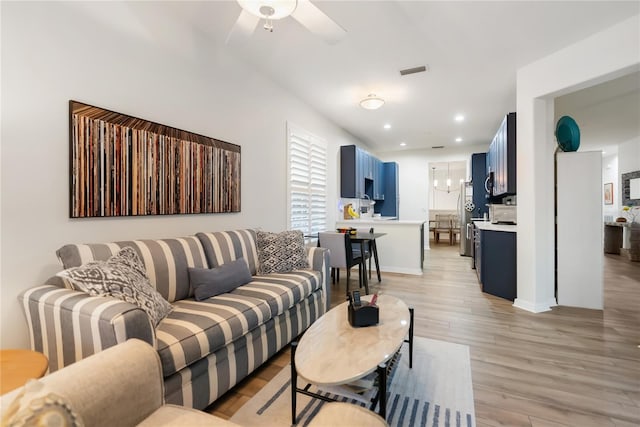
point(401, 270)
point(534, 308)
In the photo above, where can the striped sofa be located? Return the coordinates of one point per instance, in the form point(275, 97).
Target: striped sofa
point(206, 347)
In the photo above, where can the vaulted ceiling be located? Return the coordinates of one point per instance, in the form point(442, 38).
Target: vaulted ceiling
point(472, 51)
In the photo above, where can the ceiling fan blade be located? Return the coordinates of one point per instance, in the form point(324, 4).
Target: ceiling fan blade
point(243, 28)
point(316, 21)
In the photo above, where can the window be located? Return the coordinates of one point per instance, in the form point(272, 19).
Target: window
point(307, 178)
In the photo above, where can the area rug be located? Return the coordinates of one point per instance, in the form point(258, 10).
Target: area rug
point(437, 391)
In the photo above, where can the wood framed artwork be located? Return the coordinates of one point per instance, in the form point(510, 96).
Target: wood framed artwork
point(125, 166)
point(608, 193)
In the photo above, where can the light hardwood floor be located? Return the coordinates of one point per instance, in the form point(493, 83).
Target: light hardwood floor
point(566, 367)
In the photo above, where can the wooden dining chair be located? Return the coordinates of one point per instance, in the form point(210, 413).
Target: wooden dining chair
point(341, 256)
point(455, 229)
point(443, 225)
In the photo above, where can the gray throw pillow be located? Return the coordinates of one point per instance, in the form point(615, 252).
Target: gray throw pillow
point(207, 283)
point(281, 252)
point(122, 276)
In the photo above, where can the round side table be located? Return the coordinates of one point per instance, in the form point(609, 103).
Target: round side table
point(18, 366)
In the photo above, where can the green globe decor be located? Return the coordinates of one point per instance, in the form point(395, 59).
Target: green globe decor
point(568, 134)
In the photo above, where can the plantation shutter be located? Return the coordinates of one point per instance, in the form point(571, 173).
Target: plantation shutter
point(307, 155)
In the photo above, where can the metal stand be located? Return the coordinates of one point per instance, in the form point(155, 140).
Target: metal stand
point(410, 340)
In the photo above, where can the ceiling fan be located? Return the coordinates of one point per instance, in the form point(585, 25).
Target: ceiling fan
point(303, 11)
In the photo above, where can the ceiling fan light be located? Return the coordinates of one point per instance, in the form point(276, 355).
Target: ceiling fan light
point(281, 8)
point(371, 102)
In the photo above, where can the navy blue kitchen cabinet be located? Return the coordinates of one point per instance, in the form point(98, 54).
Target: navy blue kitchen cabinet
point(360, 174)
point(352, 166)
point(378, 179)
point(501, 159)
point(495, 260)
point(478, 177)
point(390, 206)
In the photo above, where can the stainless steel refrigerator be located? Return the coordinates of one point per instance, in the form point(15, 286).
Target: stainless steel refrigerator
point(465, 210)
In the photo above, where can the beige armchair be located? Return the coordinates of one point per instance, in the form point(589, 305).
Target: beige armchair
point(120, 386)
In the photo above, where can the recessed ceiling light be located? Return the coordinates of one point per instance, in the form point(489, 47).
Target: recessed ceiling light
point(403, 144)
point(459, 118)
point(458, 139)
point(387, 126)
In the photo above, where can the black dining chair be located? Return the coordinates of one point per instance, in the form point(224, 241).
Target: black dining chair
point(357, 251)
point(341, 255)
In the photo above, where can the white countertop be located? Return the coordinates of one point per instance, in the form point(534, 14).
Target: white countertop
point(399, 250)
point(486, 225)
point(380, 221)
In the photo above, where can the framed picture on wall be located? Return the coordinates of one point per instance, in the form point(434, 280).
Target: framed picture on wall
point(608, 193)
point(121, 165)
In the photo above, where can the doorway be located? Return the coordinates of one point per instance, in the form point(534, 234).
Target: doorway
point(445, 179)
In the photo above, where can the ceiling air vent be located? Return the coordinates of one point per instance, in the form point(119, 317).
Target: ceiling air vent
point(414, 70)
point(438, 146)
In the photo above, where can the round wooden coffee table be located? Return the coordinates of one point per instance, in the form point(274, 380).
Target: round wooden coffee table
point(18, 366)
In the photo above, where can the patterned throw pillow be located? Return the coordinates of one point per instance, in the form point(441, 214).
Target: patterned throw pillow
point(281, 252)
point(122, 276)
point(36, 405)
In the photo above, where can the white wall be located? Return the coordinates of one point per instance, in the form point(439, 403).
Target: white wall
point(601, 57)
point(628, 161)
point(413, 165)
point(610, 175)
point(440, 198)
point(54, 52)
point(629, 156)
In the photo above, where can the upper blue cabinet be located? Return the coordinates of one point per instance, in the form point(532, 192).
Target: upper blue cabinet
point(360, 174)
point(501, 159)
point(378, 180)
point(390, 205)
point(478, 178)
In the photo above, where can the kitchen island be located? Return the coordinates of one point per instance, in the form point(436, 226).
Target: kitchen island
point(401, 250)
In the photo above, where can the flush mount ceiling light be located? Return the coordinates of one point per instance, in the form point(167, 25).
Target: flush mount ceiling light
point(458, 139)
point(459, 118)
point(372, 102)
point(387, 126)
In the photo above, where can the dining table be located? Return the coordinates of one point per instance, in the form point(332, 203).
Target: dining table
point(362, 238)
